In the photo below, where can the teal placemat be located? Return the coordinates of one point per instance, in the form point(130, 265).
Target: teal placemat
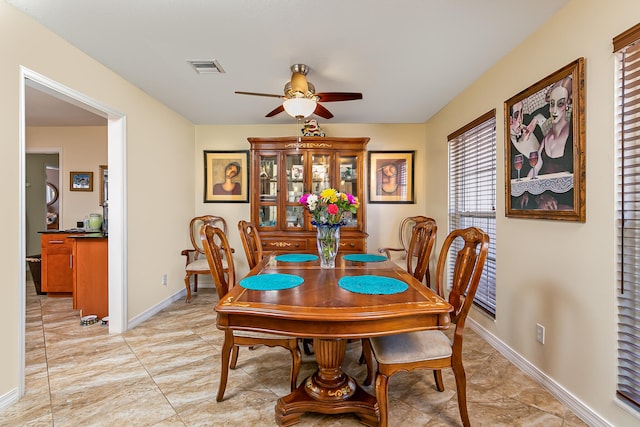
point(372, 285)
point(296, 257)
point(271, 282)
point(364, 258)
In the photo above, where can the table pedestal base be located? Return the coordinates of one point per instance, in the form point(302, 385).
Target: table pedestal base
point(328, 391)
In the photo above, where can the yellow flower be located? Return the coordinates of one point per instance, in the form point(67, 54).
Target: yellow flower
point(329, 195)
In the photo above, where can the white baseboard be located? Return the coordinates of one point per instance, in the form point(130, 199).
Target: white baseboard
point(578, 407)
point(149, 313)
point(9, 399)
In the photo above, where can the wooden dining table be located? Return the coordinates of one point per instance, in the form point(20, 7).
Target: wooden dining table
point(354, 300)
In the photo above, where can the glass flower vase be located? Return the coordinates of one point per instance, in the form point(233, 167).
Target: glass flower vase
point(328, 241)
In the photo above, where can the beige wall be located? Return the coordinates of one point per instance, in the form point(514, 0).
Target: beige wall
point(159, 173)
point(84, 149)
point(560, 274)
point(382, 138)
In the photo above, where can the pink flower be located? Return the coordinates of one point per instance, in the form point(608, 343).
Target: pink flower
point(333, 209)
point(303, 199)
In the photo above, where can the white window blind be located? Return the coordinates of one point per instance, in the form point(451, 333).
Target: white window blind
point(472, 194)
point(627, 46)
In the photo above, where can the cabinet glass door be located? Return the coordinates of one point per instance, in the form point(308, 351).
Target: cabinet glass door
point(268, 191)
point(268, 216)
point(348, 183)
point(320, 172)
point(294, 164)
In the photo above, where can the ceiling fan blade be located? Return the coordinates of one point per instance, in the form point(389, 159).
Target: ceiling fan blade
point(259, 94)
point(279, 109)
point(338, 96)
point(322, 112)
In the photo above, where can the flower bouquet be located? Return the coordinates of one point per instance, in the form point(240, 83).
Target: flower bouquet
point(327, 210)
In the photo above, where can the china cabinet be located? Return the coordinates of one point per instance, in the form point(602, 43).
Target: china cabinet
point(284, 168)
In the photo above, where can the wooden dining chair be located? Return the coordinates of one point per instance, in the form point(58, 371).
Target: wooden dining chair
point(251, 242)
point(418, 245)
point(422, 241)
point(432, 349)
point(196, 262)
point(423, 237)
point(216, 248)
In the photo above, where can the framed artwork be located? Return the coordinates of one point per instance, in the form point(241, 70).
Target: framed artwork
point(81, 181)
point(545, 154)
point(226, 176)
point(391, 176)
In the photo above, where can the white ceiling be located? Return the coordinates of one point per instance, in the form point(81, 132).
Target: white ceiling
point(408, 58)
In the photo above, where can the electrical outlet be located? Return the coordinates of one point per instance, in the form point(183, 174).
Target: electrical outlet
point(539, 333)
point(164, 279)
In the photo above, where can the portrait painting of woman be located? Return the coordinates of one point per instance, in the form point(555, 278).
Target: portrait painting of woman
point(544, 145)
point(230, 184)
point(226, 176)
point(391, 177)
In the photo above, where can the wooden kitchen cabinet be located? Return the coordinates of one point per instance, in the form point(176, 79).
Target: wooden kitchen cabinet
point(283, 168)
point(57, 264)
point(91, 275)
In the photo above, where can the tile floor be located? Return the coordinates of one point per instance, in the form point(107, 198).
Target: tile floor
point(165, 373)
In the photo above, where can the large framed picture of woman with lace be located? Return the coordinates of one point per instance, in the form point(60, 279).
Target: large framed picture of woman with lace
point(545, 148)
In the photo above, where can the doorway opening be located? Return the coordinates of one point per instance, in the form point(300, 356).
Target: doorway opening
point(115, 122)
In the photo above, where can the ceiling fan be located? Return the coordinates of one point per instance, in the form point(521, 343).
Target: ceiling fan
point(300, 97)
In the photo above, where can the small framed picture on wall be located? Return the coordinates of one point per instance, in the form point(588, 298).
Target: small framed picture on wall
point(81, 181)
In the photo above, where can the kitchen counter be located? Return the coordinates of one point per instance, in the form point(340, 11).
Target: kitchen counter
point(75, 263)
point(96, 235)
point(77, 233)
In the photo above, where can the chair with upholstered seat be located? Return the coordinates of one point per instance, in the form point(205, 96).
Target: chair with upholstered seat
point(216, 248)
point(423, 237)
point(426, 237)
point(196, 262)
point(432, 349)
point(251, 242)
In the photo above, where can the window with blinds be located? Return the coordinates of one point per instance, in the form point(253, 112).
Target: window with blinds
point(627, 47)
point(472, 194)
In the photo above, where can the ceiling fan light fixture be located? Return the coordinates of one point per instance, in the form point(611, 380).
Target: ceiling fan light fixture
point(299, 107)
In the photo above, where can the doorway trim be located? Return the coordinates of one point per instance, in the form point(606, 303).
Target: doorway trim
point(116, 155)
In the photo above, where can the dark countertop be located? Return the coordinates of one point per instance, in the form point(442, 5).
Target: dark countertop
point(76, 233)
point(97, 235)
point(70, 231)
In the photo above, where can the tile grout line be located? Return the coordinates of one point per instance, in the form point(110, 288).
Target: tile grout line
point(124, 338)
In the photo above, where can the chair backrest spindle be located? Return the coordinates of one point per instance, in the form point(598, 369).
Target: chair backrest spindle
point(422, 241)
point(216, 248)
point(196, 224)
point(467, 272)
point(251, 242)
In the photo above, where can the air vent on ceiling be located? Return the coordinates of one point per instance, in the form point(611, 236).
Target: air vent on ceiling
point(206, 66)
